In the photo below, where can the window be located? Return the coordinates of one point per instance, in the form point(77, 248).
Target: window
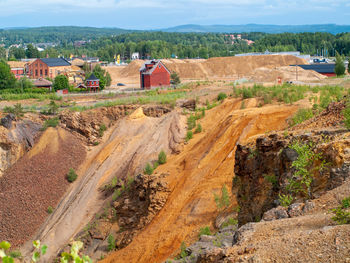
point(36, 72)
point(45, 72)
point(41, 72)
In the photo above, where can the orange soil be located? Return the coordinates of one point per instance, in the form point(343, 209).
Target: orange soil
point(201, 169)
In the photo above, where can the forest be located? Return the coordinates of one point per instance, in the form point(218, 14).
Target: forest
point(107, 43)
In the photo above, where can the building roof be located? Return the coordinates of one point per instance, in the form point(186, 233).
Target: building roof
point(42, 83)
point(55, 62)
point(320, 68)
point(93, 77)
point(155, 64)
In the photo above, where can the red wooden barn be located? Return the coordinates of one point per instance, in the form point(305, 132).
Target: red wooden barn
point(154, 74)
point(93, 83)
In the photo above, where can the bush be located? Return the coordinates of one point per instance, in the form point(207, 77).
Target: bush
point(191, 122)
point(50, 210)
point(53, 122)
point(102, 129)
point(346, 114)
point(111, 242)
point(189, 136)
point(223, 200)
point(301, 116)
point(71, 175)
point(285, 200)
point(60, 82)
point(162, 157)
point(16, 254)
point(53, 107)
point(205, 231)
point(222, 96)
point(339, 65)
point(148, 169)
point(198, 129)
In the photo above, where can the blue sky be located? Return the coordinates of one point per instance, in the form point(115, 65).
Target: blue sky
point(153, 14)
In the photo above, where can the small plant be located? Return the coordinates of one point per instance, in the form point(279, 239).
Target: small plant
point(39, 250)
point(191, 122)
point(189, 136)
point(205, 231)
point(52, 107)
point(301, 116)
point(221, 96)
point(148, 169)
point(183, 252)
point(102, 129)
point(155, 165)
point(116, 194)
point(53, 122)
point(271, 179)
point(71, 175)
point(346, 114)
point(74, 256)
point(16, 254)
point(223, 200)
point(230, 222)
point(285, 200)
point(50, 210)
point(111, 242)
point(341, 213)
point(162, 157)
point(198, 129)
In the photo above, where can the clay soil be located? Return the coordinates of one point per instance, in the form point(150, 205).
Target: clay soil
point(201, 169)
point(36, 182)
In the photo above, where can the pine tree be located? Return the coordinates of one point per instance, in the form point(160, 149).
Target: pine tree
point(339, 65)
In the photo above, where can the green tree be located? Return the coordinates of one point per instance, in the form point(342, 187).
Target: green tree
point(103, 75)
point(32, 52)
point(53, 107)
point(7, 79)
point(175, 79)
point(17, 53)
point(3, 53)
point(339, 65)
point(24, 84)
point(60, 82)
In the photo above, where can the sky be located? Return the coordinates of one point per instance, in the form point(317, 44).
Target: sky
point(155, 14)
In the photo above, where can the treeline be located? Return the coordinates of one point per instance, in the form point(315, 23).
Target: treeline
point(191, 45)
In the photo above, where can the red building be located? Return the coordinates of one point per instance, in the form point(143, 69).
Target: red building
point(93, 83)
point(48, 68)
point(154, 74)
point(17, 68)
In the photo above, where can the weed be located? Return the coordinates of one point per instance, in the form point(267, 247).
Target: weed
point(230, 222)
point(271, 179)
point(285, 200)
point(102, 129)
point(221, 96)
point(16, 254)
point(198, 129)
point(49, 210)
point(116, 194)
point(346, 114)
point(148, 169)
point(191, 122)
point(183, 252)
point(205, 231)
point(301, 116)
point(155, 165)
point(53, 122)
point(162, 157)
point(223, 200)
point(71, 175)
point(111, 242)
point(189, 136)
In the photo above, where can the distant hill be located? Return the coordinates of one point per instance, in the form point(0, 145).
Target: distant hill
point(272, 29)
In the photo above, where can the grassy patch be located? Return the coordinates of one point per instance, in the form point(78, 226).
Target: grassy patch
point(205, 231)
point(53, 122)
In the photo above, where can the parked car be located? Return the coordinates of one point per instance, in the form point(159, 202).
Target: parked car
point(120, 84)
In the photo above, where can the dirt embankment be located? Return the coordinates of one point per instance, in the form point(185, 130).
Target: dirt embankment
point(213, 68)
point(36, 182)
point(129, 144)
point(201, 169)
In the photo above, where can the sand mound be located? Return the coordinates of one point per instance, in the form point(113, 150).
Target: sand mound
point(137, 114)
point(286, 73)
point(48, 140)
point(224, 67)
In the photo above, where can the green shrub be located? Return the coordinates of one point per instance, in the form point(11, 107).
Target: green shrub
point(53, 122)
point(189, 136)
point(223, 200)
point(183, 252)
point(15, 254)
point(205, 231)
point(271, 179)
point(71, 175)
point(155, 165)
point(301, 116)
point(230, 222)
point(49, 210)
point(285, 200)
point(17, 110)
point(346, 114)
point(221, 96)
point(53, 107)
point(191, 122)
point(162, 157)
point(148, 169)
point(116, 194)
point(111, 242)
point(198, 129)
point(102, 129)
